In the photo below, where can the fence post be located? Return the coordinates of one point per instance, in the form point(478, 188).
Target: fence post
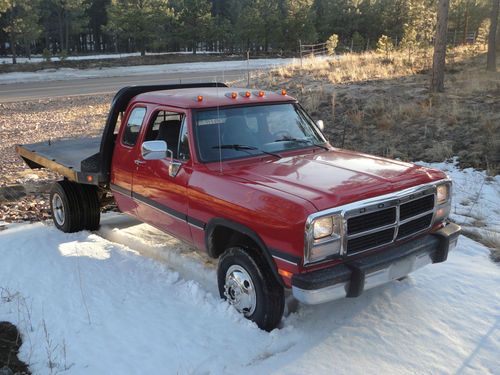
point(248, 68)
point(300, 52)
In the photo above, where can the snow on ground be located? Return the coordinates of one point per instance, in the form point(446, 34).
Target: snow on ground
point(39, 58)
point(220, 67)
point(88, 304)
point(476, 199)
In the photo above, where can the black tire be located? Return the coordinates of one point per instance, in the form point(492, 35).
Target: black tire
point(269, 294)
point(67, 215)
point(89, 198)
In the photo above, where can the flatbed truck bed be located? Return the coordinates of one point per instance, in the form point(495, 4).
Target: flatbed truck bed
point(75, 158)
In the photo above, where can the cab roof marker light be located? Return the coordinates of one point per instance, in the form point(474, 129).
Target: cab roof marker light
point(234, 95)
point(283, 92)
point(199, 98)
point(261, 94)
point(247, 94)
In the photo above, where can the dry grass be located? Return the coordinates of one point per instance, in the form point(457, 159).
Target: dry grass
point(383, 106)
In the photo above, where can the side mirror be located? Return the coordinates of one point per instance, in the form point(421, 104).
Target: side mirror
point(320, 124)
point(154, 150)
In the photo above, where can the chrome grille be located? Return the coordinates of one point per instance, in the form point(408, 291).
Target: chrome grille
point(383, 223)
point(416, 207)
point(414, 226)
point(372, 220)
point(370, 240)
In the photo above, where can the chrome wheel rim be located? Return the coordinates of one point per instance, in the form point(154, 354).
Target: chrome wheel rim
point(240, 291)
point(58, 209)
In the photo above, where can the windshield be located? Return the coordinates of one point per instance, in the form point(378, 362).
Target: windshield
point(237, 132)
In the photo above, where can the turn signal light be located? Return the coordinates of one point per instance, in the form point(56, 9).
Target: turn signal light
point(283, 92)
point(199, 98)
point(284, 273)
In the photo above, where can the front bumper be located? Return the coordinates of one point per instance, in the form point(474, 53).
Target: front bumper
point(350, 279)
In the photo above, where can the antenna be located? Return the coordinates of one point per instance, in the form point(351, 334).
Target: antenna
point(218, 128)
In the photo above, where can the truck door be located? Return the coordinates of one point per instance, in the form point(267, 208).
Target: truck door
point(162, 197)
point(124, 154)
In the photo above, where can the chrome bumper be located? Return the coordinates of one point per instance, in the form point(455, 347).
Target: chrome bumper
point(352, 278)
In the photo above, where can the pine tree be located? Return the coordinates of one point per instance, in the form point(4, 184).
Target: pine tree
point(140, 20)
point(21, 24)
point(298, 23)
point(196, 22)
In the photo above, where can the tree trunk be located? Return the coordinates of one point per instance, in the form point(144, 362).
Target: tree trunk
point(439, 58)
point(142, 41)
point(27, 47)
point(491, 64)
point(66, 46)
point(13, 49)
point(466, 23)
point(61, 28)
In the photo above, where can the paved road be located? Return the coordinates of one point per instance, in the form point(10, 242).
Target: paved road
point(93, 86)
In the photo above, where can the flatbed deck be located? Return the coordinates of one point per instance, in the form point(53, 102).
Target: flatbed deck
point(71, 158)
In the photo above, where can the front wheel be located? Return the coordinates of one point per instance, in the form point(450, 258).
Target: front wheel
point(248, 284)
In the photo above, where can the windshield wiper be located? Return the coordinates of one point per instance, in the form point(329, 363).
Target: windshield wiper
point(246, 148)
point(302, 140)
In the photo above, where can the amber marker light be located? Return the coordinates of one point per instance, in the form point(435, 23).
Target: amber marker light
point(200, 98)
point(261, 94)
point(90, 178)
point(284, 273)
point(283, 92)
point(247, 94)
point(234, 95)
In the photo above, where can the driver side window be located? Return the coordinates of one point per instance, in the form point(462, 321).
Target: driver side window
point(166, 126)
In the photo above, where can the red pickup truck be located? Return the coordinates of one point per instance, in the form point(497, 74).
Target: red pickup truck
point(248, 176)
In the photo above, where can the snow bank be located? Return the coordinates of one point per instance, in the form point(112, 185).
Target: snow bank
point(39, 58)
point(107, 309)
point(212, 66)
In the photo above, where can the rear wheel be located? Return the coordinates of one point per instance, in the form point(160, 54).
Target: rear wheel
point(91, 206)
point(75, 206)
point(66, 206)
point(248, 284)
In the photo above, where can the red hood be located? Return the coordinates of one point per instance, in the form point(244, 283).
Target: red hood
point(337, 177)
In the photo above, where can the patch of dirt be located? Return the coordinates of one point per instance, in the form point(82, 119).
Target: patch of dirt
point(10, 342)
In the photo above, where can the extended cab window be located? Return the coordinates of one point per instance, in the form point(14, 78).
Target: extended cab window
point(133, 126)
point(166, 126)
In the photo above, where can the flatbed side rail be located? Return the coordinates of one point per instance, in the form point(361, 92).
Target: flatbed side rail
point(35, 160)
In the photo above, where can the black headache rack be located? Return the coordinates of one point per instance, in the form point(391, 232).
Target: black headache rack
point(88, 160)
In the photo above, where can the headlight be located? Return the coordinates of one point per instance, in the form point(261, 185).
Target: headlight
point(443, 198)
point(443, 193)
point(323, 227)
point(324, 240)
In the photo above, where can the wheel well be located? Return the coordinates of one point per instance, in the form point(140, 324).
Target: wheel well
point(222, 237)
point(221, 233)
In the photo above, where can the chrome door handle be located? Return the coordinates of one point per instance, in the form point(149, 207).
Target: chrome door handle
point(139, 162)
